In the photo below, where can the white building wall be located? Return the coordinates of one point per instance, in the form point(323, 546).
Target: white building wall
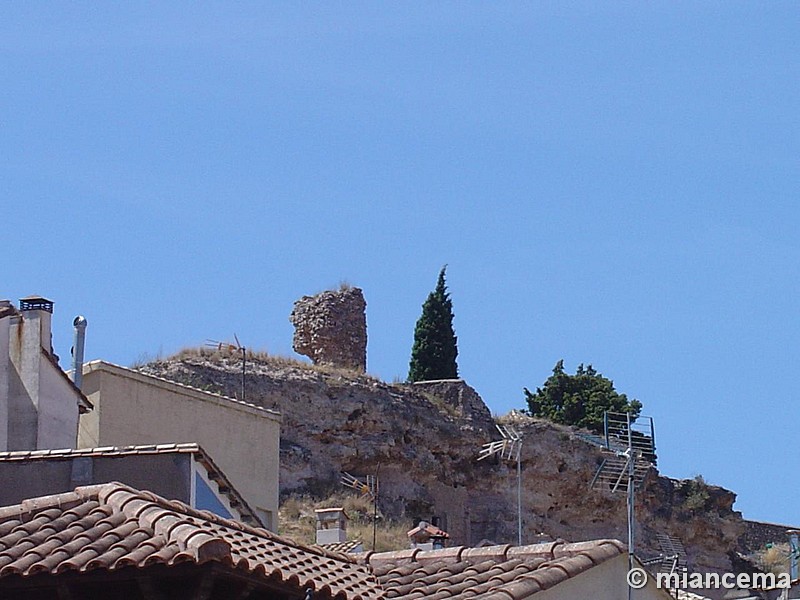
point(58, 409)
point(38, 404)
point(25, 357)
point(606, 581)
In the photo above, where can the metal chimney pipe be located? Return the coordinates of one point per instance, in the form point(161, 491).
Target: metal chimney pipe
point(794, 550)
point(77, 350)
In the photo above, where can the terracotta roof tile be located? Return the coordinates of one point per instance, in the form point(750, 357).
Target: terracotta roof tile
point(575, 564)
point(345, 547)
point(112, 526)
point(444, 554)
point(425, 529)
point(547, 576)
point(499, 595)
point(603, 551)
point(7, 309)
point(494, 553)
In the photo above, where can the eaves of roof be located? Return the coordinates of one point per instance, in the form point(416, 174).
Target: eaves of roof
point(113, 526)
point(84, 405)
point(215, 474)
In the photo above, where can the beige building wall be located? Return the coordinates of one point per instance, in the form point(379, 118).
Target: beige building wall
point(133, 408)
point(58, 409)
point(606, 581)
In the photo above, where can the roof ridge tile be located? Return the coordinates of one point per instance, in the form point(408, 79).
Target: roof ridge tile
point(32, 507)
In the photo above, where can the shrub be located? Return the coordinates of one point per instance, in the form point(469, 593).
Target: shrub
point(580, 400)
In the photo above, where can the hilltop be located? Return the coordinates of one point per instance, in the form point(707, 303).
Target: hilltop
point(423, 440)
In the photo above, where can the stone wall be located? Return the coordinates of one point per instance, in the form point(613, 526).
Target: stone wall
point(331, 328)
point(757, 535)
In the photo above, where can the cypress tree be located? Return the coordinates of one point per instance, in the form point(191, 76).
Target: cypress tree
point(435, 349)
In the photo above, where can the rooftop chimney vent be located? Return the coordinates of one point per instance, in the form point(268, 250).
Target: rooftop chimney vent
point(79, 323)
point(331, 525)
point(36, 303)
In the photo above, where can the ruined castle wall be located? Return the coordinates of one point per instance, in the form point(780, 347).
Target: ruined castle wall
point(331, 328)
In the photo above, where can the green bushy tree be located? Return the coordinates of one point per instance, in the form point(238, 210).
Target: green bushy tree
point(433, 355)
point(579, 399)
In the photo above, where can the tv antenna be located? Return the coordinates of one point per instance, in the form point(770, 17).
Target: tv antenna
point(509, 448)
point(368, 489)
point(237, 347)
point(630, 448)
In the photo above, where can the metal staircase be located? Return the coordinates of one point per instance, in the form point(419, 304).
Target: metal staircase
point(613, 473)
point(673, 554)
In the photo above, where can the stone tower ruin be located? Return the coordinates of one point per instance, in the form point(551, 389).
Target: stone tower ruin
point(331, 328)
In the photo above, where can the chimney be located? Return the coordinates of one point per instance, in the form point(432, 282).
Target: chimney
point(331, 525)
point(426, 536)
point(39, 309)
point(77, 350)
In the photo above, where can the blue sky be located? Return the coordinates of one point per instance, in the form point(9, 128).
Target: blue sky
point(615, 185)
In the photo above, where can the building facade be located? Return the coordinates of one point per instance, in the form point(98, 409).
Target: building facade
point(132, 408)
point(39, 404)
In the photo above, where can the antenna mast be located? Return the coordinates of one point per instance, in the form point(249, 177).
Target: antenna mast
point(630, 449)
point(368, 488)
point(510, 447)
point(630, 502)
point(243, 350)
point(233, 348)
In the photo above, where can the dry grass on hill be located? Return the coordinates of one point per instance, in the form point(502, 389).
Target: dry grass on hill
point(297, 521)
point(774, 559)
point(231, 355)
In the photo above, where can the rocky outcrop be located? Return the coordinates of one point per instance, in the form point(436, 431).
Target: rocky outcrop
point(423, 440)
point(460, 397)
point(331, 328)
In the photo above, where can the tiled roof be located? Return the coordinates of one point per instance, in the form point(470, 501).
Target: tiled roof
point(7, 309)
point(214, 472)
point(112, 526)
point(499, 572)
point(333, 511)
point(428, 530)
point(21, 455)
point(348, 546)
